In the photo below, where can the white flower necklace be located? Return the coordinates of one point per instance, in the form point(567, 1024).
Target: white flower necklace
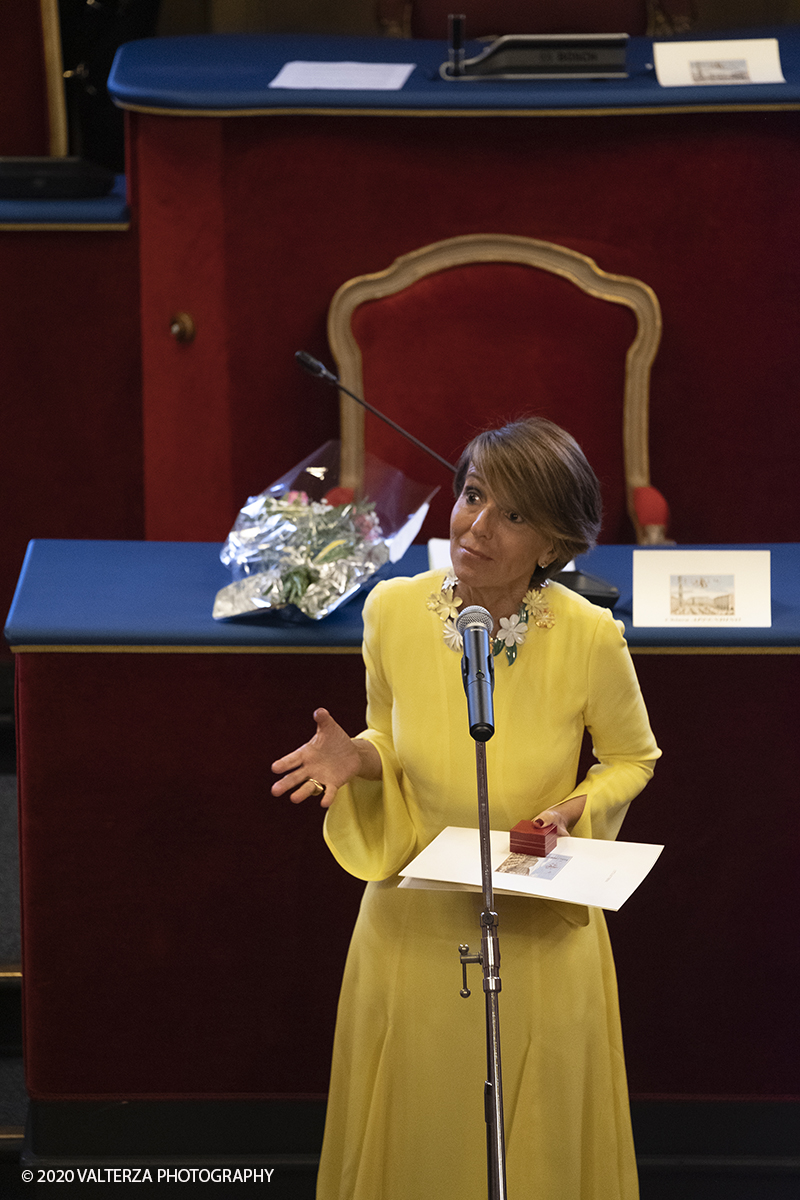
point(513, 629)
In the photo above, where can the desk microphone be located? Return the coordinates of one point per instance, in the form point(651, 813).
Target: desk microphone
point(317, 369)
point(477, 670)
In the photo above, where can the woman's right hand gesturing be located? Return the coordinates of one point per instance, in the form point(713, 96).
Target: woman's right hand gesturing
point(330, 759)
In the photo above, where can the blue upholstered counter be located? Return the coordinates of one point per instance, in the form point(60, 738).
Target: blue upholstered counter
point(90, 593)
point(232, 73)
point(93, 213)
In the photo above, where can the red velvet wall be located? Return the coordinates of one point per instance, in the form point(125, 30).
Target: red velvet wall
point(486, 17)
point(71, 450)
point(706, 951)
point(24, 119)
point(184, 933)
point(700, 206)
point(193, 422)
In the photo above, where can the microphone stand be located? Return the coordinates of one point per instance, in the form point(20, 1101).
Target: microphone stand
point(314, 367)
point(489, 958)
point(481, 720)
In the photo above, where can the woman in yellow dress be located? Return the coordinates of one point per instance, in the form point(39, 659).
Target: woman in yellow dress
point(405, 1114)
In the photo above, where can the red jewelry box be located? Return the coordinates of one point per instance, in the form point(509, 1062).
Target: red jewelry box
point(527, 838)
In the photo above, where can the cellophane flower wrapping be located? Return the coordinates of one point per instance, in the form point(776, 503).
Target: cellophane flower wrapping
point(306, 545)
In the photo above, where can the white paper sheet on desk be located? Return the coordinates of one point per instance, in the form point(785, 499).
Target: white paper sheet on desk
point(599, 873)
point(709, 64)
point(343, 76)
point(439, 555)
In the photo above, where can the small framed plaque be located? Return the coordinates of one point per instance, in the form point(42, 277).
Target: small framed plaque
point(702, 588)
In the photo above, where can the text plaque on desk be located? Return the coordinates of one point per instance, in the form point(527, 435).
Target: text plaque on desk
point(719, 63)
point(702, 588)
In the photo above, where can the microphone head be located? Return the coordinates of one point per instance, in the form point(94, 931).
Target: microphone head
point(314, 366)
point(474, 615)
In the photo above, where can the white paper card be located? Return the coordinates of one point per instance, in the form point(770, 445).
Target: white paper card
point(343, 76)
point(704, 64)
point(399, 542)
point(438, 554)
point(711, 588)
point(598, 873)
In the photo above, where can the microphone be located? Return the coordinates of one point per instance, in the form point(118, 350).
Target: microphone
point(477, 669)
point(314, 366)
point(319, 371)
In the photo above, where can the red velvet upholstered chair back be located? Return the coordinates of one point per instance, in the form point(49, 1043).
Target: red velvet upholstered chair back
point(487, 17)
point(475, 331)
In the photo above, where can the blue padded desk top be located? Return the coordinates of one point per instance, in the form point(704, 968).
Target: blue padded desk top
point(109, 210)
point(229, 73)
point(86, 593)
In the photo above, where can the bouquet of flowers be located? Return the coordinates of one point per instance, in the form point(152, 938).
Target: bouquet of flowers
point(305, 545)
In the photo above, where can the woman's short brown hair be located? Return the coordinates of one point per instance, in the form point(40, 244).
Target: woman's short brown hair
point(537, 469)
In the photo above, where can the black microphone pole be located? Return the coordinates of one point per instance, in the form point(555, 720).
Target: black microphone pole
point(477, 669)
point(316, 368)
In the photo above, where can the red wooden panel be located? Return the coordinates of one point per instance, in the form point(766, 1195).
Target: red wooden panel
point(184, 932)
point(24, 119)
point(71, 457)
point(701, 207)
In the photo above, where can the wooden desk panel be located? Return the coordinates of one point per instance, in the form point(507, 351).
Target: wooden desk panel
point(184, 932)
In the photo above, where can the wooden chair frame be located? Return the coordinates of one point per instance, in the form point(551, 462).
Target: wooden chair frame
point(54, 74)
point(544, 256)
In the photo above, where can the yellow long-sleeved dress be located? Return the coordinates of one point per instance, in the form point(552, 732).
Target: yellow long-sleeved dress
point(405, 1116)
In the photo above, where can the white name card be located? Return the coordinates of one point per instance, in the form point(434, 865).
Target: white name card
point(709, 64)
point(711, 588)
point(343, 76)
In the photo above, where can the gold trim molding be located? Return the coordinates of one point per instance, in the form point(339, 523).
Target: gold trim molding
point(631, 111)
point(66, 227)
point(157, 649)
point(54, 76)
point(664, 650)
point(714, 649)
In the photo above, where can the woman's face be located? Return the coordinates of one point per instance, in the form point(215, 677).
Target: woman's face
point(490, 546)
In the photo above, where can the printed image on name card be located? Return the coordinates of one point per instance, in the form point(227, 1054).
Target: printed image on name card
point(702, 595)
point(532, 867)
point(720, 70)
